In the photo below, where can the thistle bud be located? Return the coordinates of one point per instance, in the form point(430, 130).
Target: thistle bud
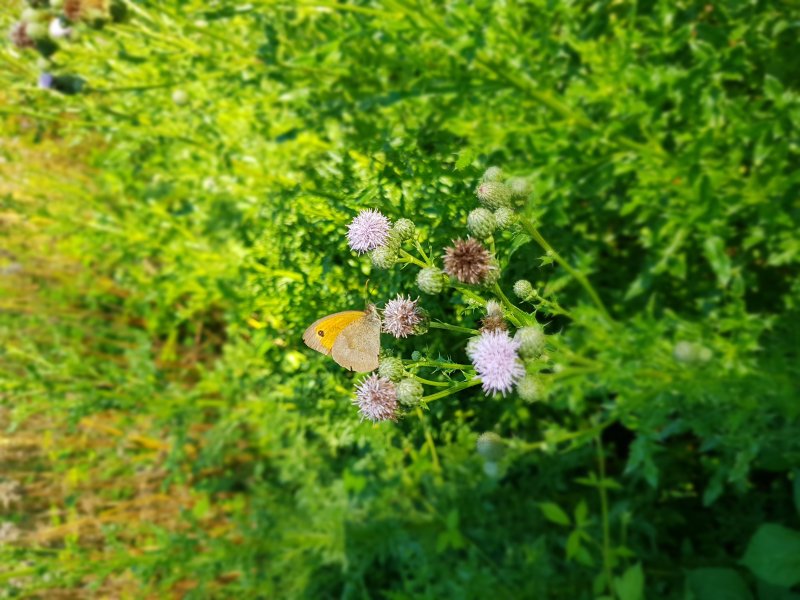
point(691, 353)
point(530, 389)
point(493, 194)
point(384, 257)
point(504, 217)
point(430, 280)
point(520, 189)
point(493, 174)
point(481, 223)
point(416, 355)
point(523, 289)
point(391, 368)
point(404, 229)
point(409, 392)
point(491, 446)
point(531, 341)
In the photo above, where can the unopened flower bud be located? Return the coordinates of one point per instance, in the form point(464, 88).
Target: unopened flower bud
point(493, 194)
point(416, 355)
point(384, 257)
point(504, 217)
point(523, 289)
point(493, 174)
point(481, 223)
point(391, 368)
point(491, 446)
point(430, 280)
point(531, 341)
point(405, 229)
point(520, 189)
point(530, 389)
point(409, 392)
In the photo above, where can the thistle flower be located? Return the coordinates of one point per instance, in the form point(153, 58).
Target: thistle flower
point(523, 289)
point(376, 398)
point(468, 261)
point(494, 355)
point(504, 217)
point(494, 194)
point(367, 231)
point(490, 446)
point(404, 229)
point(493, 174)
point(409, 392)
point(494, 319)
point(481, 223)
point(531, 341)
point(391, 368)
point(46, 81)
point(401, 316)
point(59, 29)
point(430, 280)
point(18, 34)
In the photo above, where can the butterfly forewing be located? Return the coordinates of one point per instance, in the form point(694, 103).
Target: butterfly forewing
point(359, 344)
point(322, 333)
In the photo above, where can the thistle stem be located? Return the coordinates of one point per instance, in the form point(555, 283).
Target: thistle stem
point(458, 328)
point(410, 258)
point(579, 277)
point(439, 365)
point(452, 390)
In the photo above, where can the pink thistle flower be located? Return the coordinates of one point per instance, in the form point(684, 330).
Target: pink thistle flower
point(401, 316)
point(496, 361)
point(367, 231)
point(376, 398)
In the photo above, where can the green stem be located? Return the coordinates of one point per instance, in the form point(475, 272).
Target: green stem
point(429, 382)
point(418, 246)
point(579, 277)
point(410, 258)
point(429, 441)
point(452, 390)
point(601, 466)
point(437, 364)
point(447, 326)
point(517, 316)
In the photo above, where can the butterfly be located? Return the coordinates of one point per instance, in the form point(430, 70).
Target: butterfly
point(351, 337)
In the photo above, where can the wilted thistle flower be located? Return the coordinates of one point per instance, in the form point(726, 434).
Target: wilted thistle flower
point(504, 217)
point(409, 392)
point(401, 316)
point(367, 231)
point(490, 446)
point(494, 320)
point(391, 368)
point(468, 261)
point(494, 194)
point(494, 355)
point(493, 174)
point(376, 398)
point(18, 35)
point(430, 280)
point(523, 289)
point(481, 223)
point(531, 341)
point(530, 389)
point(405, 229)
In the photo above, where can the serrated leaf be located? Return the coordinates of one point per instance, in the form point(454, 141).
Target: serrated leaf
point(773, 555)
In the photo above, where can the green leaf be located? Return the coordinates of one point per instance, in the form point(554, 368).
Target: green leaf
point(554, 513)
point(796, 490)
point(773, 555)
point(465, 158)
point(631, 585)
point(714, 250)
point(716, 584)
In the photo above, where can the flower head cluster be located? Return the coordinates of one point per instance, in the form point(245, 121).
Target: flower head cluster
point(367, 231)
point(468, 261)
point(401, 316)
point(376, 398)
point(494, 355)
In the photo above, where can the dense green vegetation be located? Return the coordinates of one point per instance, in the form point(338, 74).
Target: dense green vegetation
point(174, 221)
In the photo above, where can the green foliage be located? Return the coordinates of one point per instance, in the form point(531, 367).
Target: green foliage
point(171, 229)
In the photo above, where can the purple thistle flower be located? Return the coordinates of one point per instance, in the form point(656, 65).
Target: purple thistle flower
point(369, 230)
point(376, 398)
point(496, 361)
point(401, 316)
point(46, 81)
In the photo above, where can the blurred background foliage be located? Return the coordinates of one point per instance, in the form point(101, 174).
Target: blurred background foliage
point(168, 234)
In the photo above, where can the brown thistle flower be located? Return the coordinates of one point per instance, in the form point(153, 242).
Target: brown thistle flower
point(75, 10)
point(19, 36)
point(468, 261)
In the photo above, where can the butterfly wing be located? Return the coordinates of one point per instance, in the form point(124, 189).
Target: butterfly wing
point(358, 345)
point(322, 333)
